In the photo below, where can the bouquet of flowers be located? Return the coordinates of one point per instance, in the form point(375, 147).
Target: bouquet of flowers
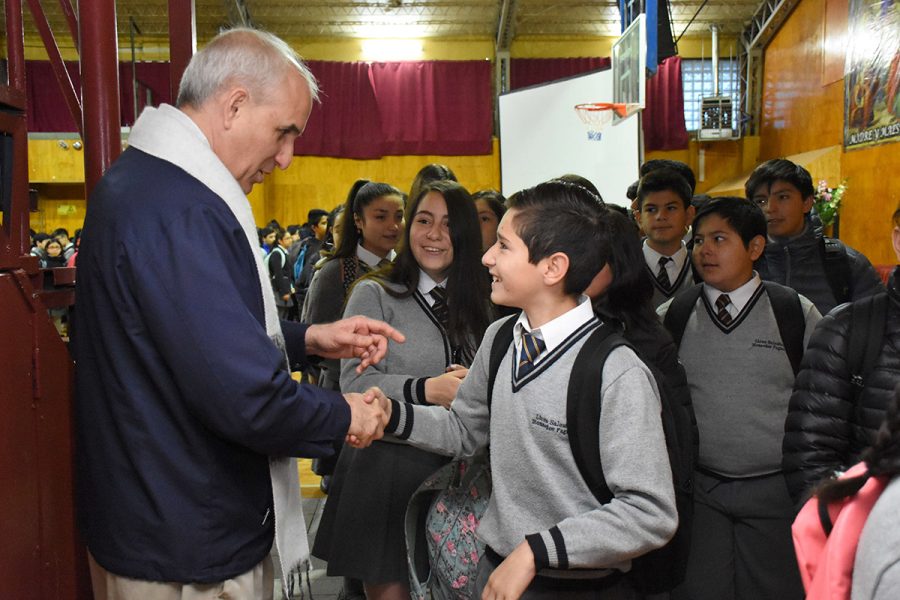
point(827, 201)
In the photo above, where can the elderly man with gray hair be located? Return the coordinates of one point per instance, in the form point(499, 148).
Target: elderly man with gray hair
point(186, 412)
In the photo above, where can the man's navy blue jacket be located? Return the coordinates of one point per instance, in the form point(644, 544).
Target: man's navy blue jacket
point(180, 394)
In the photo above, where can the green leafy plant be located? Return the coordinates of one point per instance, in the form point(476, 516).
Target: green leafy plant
point(828, 201)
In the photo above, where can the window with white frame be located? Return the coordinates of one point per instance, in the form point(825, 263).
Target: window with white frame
point(697, 80)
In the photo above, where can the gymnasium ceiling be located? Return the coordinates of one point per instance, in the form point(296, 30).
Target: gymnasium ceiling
point(413, 18)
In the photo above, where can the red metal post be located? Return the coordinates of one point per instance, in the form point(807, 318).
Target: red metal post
point(99, 87)
point(15, 37)
point(182, 41)
point(71, 19)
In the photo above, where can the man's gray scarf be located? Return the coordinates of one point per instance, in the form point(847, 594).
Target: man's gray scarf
point(170, 135)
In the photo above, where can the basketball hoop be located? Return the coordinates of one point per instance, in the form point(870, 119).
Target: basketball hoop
point(598, 115)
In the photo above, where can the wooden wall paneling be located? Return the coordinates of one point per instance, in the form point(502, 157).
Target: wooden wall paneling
point(321, 182)
point(801, 114)
point(834, 43)
point(798, 114)
point(55, 161)
point(873, 194)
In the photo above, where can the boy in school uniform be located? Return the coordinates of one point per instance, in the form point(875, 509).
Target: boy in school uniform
point(740, 375)
point(547, 535)
point(665, 212)
point(797, 254)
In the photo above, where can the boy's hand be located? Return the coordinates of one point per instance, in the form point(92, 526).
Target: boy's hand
point(367, 417)
point(442, 389)
point(510, 580)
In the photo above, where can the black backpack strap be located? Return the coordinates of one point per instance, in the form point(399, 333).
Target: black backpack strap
point(868, 318)
point(583, 407)
point(499, 348)
point(836, 263)
point(790, 320)
point(680, 311)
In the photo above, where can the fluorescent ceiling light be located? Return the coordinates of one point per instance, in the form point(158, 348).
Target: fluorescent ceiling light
point(391, 50)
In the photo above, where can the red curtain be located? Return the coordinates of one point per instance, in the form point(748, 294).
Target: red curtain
point(524, 72)
point(368, 110)
point(152, 77)
point(346, 122)
point(435, 107)
point(663, 117)
point(47, 109)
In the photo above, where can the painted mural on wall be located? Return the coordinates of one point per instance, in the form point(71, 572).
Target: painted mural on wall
point(872, 74)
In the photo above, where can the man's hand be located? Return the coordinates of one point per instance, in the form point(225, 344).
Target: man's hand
point(510, 580)
point(369, 414)
point(360, 337)
point(442, 389)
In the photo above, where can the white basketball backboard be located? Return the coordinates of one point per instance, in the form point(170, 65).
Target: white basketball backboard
point(629, 57)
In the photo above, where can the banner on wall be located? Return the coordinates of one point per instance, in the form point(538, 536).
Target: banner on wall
point(872, 74)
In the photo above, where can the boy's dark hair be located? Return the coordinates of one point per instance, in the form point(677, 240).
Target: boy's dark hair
point(700, 200)
point(631, 192)
point(583, 182)
point(263, 232)
point(494, 199)
point(745, 217)
point(664, 179)
point(40, 237)
point(780, 169)
point(59, 232)
point(625, 213)
point(293, 229)
point(558, 216)
point(362, 193)
point(675, 165)
point(315, 215)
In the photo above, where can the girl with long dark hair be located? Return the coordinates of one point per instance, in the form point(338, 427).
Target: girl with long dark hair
point(431, 295)
point(370, 227)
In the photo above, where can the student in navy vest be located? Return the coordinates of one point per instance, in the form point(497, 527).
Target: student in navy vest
point(186, 414)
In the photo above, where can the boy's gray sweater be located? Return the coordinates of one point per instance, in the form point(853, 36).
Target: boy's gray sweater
point(740, 379)
point(538, 490)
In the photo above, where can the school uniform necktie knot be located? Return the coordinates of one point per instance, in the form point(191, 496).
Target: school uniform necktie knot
point(722, 313)
point(662, 276)
point(532, 346)
point(440, 308)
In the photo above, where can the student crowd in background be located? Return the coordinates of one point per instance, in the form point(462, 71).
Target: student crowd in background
point(734, 357)
point(749, 358)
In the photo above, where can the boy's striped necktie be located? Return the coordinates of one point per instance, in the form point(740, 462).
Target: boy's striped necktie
point(662, 277)
point(532, 346)
point(722, 313)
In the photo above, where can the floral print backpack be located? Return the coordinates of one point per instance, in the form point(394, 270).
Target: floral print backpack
point(452, 501)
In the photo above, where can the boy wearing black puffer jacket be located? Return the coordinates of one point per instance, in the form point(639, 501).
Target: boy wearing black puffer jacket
point(797, 255)
point(833, 416)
